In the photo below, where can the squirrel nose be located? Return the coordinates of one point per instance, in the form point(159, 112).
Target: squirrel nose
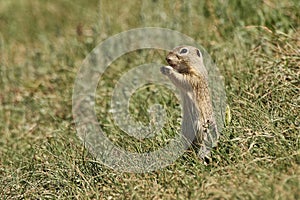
point(170, 58)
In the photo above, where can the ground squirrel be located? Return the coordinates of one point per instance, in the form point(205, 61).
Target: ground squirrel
point(188, 73)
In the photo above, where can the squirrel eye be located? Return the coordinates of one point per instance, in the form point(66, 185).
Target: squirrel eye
point(183, 51)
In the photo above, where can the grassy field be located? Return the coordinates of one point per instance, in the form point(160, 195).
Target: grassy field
point(255, 44)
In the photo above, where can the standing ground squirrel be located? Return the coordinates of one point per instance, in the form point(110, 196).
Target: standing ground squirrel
point(188, 73)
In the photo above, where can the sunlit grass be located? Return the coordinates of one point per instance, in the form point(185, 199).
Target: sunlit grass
point(256, 46)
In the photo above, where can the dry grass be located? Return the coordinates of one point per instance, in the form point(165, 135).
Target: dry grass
point(256, 46)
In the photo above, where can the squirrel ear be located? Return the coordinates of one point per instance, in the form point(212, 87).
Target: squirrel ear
point(199, 53)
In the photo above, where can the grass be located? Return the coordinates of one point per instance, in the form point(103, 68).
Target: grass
point(43, 43)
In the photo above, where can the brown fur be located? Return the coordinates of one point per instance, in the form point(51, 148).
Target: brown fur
point(188, 73)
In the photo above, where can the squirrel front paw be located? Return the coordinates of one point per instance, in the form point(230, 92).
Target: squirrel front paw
point(165, 70)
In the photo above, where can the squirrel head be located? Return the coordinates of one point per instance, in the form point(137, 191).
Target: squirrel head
point(185, 59)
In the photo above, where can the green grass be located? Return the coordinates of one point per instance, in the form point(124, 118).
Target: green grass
point(42, 45)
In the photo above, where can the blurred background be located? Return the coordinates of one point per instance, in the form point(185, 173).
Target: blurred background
point(255, 44)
